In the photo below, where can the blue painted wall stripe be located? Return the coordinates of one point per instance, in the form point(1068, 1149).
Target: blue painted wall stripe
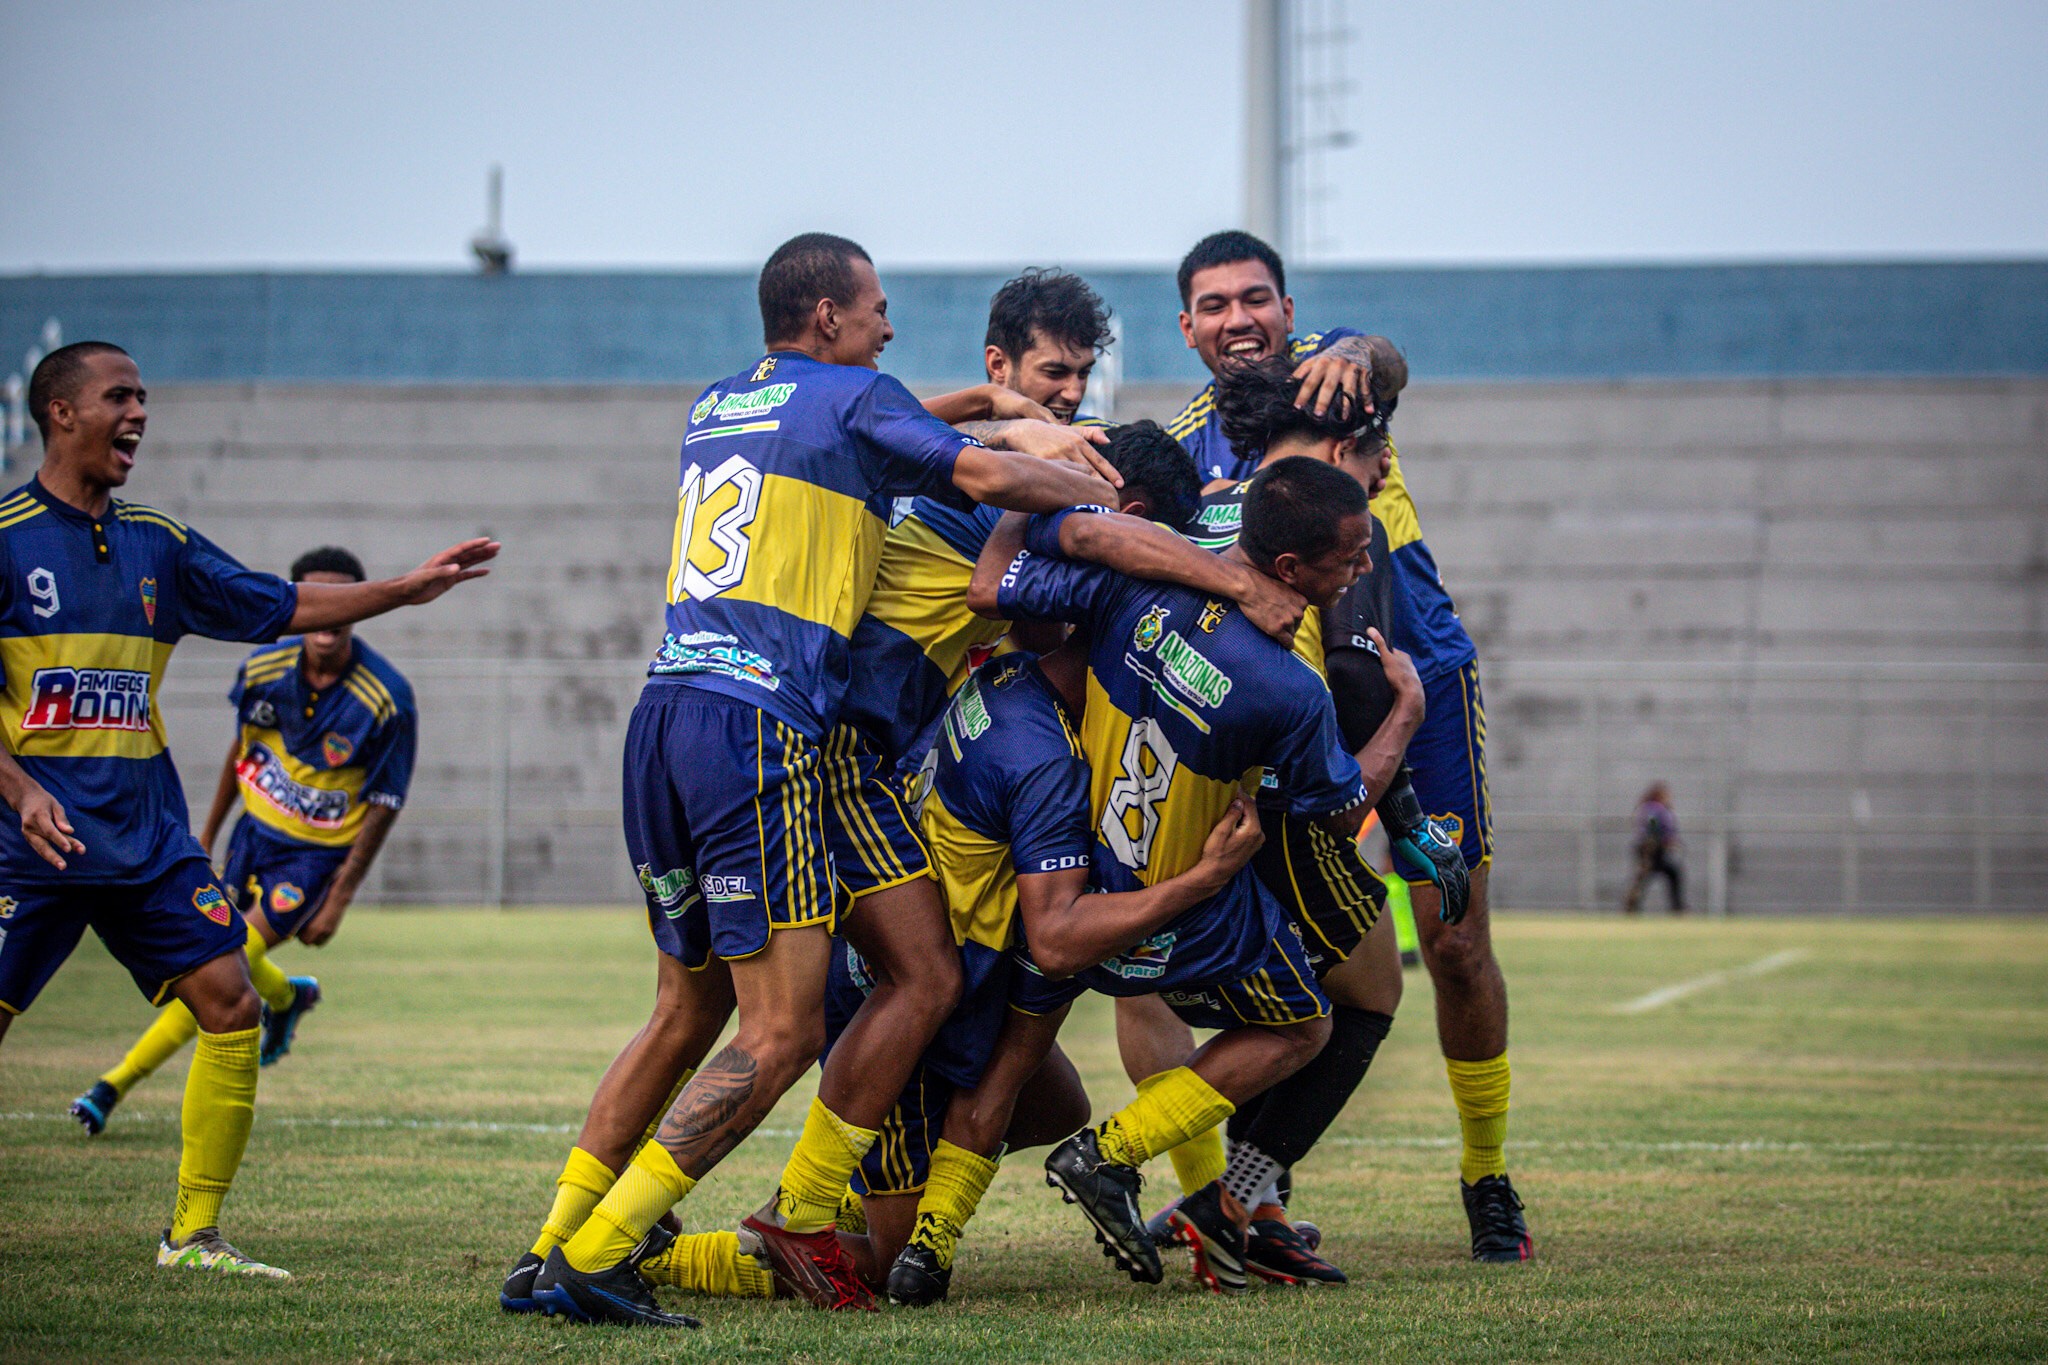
point(1561, 323)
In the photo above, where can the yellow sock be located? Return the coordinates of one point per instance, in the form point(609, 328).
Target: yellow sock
point(853, 1215)
point(826, 1154)
point(1201, 1158)
point(710, 1263)
point(1171, 1107)
point(650, 1186)
point(220, 1104)
point(584, 1180)
point(952, 1192)
point(266, 976)
point(1480, 1090)
point(654, 1124)
point(172, 1028)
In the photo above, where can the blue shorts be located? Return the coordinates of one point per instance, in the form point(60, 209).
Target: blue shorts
point(285, 879)
point(725, 823)
point(1448, 756)
point(1278, 986)
point(158, 930)
point(874, 838)
point(900, 1158)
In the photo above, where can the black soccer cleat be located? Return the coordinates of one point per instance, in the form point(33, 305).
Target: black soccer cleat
point(1107, 1194)
point(1208, 1220)
point(617, 1294)
point(916, 1279)
point(1495, 1212)
point(95, 1107)
point(1275, 1250)
point(517, 1295)
point(1159, 1227)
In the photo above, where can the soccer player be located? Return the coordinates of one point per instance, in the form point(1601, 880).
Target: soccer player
point(1185, 700)
point(1046, 330)
point(1331, 896)
point(789, 469)
point(94, 593)
point(1235, 309)
point(322, 757)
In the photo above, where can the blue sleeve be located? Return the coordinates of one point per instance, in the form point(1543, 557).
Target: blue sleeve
point(1317, 773)
point(1049, 827)
point(1042, 532)
point(240, 689)
point(908, 451)
point(1315, 343)
point(222, 600)
point(1070, 590)
point(390, 769)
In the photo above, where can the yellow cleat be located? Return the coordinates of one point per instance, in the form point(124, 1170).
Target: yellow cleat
point(206, 1249)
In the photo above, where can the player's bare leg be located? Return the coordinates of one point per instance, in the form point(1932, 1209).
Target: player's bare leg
point(690, 1010)
point(1472, 1026)
point(906, 939)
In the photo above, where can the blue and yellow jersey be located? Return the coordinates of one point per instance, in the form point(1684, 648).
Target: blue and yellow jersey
point(1188, 703)
point(90, 609)
point(312, 762)
point(918, 641)
point(789, 469)
point(1009, 797)
point(1424, 618)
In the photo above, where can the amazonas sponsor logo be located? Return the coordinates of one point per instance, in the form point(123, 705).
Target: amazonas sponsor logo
point(1188, 670)
point(752, 404)
point(87, 699)
point(263, 774)
point(674, 891)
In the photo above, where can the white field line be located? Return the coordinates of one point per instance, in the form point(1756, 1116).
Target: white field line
point(1747, 1145)
point(1664, 995)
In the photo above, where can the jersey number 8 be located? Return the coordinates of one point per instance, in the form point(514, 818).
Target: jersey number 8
point(1130, 815)
point(726, 534)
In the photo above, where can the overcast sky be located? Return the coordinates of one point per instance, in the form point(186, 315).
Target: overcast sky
point(208, 134)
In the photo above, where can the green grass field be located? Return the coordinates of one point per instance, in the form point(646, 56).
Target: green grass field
point(1845, 1158)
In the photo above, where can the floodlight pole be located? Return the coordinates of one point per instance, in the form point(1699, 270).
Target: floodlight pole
point(1265, 121)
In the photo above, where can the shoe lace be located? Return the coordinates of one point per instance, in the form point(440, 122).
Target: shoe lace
point(837, 1267)
point(1498, 1205)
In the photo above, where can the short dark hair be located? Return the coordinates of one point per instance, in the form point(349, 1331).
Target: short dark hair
point(1150, 459)
point(57, 375)
point(1227, 248)
point(327, 559)
point(1062, 308)
point(1295, 506)
point(804, 269)
point(1255, 404)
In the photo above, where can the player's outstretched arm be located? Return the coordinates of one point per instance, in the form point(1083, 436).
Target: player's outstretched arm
point(1048, 441)
point(323, 606)
point(43, 823)
point(1138, 548)
point(224, 792)
point(1019, 483)
point(985, 403)
point(1070, 930)
point(348, 878)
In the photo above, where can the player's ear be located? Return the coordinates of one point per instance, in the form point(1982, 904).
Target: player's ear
point(825, 318)
point(996, 362)
point(1137, 507)
point(1187, 329)
point(1287, 313)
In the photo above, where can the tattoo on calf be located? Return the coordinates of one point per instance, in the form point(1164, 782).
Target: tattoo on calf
point(709, 1118)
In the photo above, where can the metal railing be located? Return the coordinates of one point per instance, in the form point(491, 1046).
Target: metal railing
point(1817, 787)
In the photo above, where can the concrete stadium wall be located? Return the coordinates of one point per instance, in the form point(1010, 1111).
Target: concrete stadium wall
point(1757, 590)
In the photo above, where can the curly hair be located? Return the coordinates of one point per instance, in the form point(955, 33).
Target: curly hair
point(1059, 306)
point(1255, 404)
point(1150, 459)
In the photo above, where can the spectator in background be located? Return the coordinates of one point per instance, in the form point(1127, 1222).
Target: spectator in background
point(1656, 849)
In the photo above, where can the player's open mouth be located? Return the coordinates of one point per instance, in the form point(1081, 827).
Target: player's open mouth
point(1245, 348)
point(126, 444)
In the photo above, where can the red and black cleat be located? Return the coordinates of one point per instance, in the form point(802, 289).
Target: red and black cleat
point(811, 1265)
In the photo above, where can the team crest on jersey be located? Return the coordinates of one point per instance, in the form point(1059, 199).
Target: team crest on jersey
point(285, 898)
point(6, 907)
point(1454, 826)
point(763, 370)
point(211, 902)
point(704, 405)
point(336, 749)
point(1150, 627)
point(1212, 617)
point(87, 699)
point(148, 587)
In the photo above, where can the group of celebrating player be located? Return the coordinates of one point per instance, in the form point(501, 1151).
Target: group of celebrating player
point(963, 708)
